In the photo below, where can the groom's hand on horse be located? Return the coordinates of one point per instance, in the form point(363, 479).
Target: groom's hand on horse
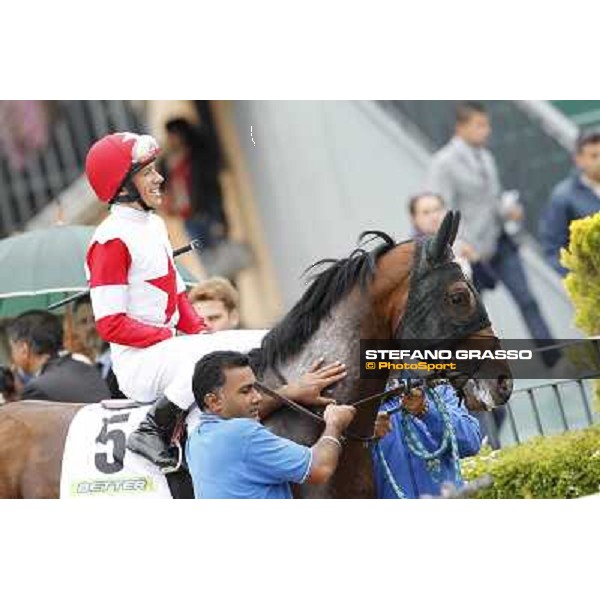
point(307, 389)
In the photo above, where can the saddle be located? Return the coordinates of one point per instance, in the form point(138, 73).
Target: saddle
point(121, 403)
point(97, 463)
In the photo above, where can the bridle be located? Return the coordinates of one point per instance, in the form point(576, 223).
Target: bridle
point(403, 388)
point(412, 320)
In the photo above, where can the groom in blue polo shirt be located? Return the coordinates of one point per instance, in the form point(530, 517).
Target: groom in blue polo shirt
point(231, 455)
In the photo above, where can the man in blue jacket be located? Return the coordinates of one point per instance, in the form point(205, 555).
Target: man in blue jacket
point(575, 197)
point(429, 434)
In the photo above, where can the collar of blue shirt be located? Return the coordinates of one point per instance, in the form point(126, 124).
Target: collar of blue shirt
point(208, 417)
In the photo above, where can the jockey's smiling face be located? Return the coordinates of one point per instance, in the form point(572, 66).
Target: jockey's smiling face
point(237, 397)
point(148, 181)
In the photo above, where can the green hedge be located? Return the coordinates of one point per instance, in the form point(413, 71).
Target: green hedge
point(582, 283)
point(559, 466)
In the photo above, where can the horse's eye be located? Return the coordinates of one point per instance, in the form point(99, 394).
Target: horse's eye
point(459, 298)
point(460, 304)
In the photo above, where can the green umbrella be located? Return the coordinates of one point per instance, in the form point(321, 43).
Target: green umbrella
point(44, 266)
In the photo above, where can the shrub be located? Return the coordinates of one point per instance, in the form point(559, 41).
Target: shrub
point(559, 466)
point(582, 258)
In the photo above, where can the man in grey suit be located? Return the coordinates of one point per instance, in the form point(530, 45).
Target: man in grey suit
point(464, 172)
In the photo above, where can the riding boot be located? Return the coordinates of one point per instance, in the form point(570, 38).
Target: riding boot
point(152, 438)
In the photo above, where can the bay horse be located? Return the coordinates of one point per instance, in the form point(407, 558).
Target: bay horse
point(411, 290)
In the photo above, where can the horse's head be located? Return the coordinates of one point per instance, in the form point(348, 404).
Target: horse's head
point(433, 303)
point(412, 290)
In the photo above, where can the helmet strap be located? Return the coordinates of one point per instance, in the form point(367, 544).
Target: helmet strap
point(132, 195)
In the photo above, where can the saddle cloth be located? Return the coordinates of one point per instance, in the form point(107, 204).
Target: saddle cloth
point(96, 463)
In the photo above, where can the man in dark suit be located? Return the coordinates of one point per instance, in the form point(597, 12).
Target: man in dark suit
point(575, 197)
point(36, 340)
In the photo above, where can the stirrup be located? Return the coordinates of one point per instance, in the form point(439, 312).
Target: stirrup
point(169, 470)
point(153, 455)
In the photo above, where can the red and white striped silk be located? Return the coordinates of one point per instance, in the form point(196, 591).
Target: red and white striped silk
point(137, 295)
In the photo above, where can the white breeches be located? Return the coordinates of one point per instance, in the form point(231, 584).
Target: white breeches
point(167, 367)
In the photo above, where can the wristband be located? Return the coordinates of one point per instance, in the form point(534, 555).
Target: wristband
point(330, 438)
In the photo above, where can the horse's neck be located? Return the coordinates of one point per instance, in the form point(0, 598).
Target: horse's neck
point(337, 338)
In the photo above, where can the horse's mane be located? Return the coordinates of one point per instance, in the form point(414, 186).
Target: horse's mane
point(328, 287)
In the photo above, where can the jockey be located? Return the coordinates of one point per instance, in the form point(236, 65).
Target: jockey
point(139, 298)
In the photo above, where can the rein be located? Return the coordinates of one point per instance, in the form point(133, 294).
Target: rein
point(389, 393)
point(261, 387)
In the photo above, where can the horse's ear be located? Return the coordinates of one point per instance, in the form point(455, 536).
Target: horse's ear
point(438, 244)
point(455, 224)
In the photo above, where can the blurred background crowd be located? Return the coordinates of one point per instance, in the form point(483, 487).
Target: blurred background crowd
point(269, 187)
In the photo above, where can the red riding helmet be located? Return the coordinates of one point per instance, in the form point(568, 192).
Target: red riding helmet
point(115, 157)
